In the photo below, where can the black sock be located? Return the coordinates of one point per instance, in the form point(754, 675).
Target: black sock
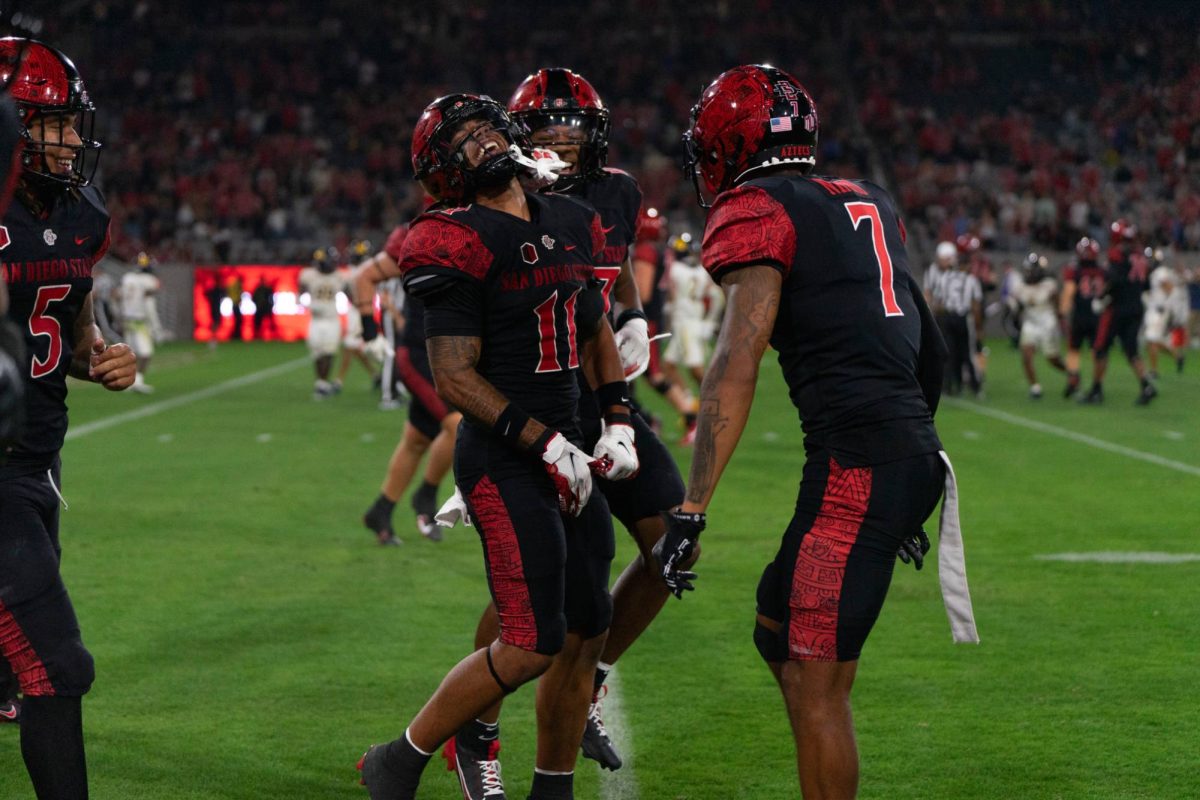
point(601, 677)
point(383, 505)
point(52, 746)
point(425, 497)
point(552, 787)
point(405, 762)
point(690, 419)
point(1145, 383)
point(479, 735)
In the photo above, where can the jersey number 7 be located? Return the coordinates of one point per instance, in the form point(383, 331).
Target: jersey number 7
point(859, 211)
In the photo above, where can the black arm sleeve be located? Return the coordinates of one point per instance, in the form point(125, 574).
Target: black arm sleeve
point(590, 310)
point(931, 363)
point(456, 310)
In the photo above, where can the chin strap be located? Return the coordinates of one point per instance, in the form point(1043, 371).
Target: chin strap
point(543, 166)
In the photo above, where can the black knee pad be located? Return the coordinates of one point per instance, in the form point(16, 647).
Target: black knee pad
point(552, 636)
point(772, 645)
point(69, 669)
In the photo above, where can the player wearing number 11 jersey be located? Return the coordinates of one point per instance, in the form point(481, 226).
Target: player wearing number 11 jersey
point(817, 268)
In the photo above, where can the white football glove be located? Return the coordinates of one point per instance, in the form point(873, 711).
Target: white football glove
point(543, 166)
point(453, 511)
point(616, 452)
point(379, 349)
point(572, 475)
point(633, 343)
point(1101, 303)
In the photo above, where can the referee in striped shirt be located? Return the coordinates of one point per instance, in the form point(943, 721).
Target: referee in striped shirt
point(956, 298)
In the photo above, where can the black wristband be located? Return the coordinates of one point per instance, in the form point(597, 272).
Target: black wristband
point(628, 314)
point(613, 394)
point(370, 328)
point(690, 524)
point(510, 424)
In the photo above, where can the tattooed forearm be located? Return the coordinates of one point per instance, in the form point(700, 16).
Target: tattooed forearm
point(452, 360)
point(728, 388)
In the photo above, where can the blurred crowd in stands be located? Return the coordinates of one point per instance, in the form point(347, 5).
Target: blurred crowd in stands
point(254, 130)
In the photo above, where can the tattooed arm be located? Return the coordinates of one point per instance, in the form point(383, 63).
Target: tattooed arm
point(115, 366)
point(452, 360)
point(752, 301)
point(626, 293)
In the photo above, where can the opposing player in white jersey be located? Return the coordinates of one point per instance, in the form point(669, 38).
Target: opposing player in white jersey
point(139, 315)
point(695, 307)
point(1037, 294)
point(1166, 313)
point(322, 283)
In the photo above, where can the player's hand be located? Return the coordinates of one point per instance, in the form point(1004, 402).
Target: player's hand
point(675, 549)
point(113, 367)
point(633, 343)
point(379, 350)
point(616, 452)
point(568, 467)
point(453, 511)
point(913, 549)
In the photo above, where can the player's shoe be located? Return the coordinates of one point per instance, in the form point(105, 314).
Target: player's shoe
point(1179, 365)
point(322, 389)
point(689, 436)
point(1035, 391)
point(478, 772)
point(391, 404)
point(1072, 388)
point(1093, 398)
point(335, 387)
point(1147, 394)
point(596, 744)
point(378, 522)
point(140, 386)
point(381, 782)
point(10, 711)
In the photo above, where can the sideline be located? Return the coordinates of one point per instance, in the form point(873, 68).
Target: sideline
point(78, 431)
point(622, 784)
point(1081, 438)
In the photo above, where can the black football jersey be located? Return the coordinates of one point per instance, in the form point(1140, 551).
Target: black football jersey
point(529, 282)
point(47, 264)
point(1128, 278)
point(1091, 280)
point(848, 330)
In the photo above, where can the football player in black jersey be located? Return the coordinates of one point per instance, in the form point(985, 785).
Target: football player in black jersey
point(1122, 311)
point(432, 426)
point(513, 311)
point(51, 235)
point(564, 113)
point(817, 268)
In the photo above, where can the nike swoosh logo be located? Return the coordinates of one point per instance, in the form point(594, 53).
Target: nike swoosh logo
point(607, 230)
point(8, 712)
point(568, 247)
point(81, 239)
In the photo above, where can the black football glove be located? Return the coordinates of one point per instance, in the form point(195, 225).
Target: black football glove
point(914, 549)
point(675, 549)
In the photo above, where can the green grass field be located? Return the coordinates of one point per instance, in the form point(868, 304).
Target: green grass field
point(251, 638)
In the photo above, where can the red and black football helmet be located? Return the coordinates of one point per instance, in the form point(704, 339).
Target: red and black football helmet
point(558, 96)
point(42, 81)
point(1087, 250)
point(1121, 231)
point(651, 225)
point(750, 118)
point(442, 167)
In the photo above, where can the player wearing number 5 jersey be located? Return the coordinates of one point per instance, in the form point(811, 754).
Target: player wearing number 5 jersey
point(52, 234)
point(816, 267)
point(513, 311)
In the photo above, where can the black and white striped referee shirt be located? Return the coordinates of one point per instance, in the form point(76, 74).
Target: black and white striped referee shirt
point(952, 290)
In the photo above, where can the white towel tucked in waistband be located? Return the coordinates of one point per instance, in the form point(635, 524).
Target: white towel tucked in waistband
point(952, 564)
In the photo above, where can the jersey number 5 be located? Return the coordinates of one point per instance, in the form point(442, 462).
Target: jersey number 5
point(42, 324)
point(859, 211)
point(547, 316)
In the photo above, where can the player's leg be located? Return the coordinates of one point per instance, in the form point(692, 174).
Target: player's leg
point(1027, 351)
point(1074, 349)
point(39, 638)
point(401, 468)
point(1102, 341)
point(1127, 332)
point(441, 457)
point(524, 548)
point(817, 695)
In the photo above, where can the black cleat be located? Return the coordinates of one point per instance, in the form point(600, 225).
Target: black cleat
point(424, 503)
point(478, 772)
point(1093, 398)
point(10, 711)
point(596, 745)
point(380, 524)
point(1147, 394)
point(382, 783)
point(1179, 365)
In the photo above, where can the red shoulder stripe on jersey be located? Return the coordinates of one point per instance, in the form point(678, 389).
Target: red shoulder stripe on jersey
point(748, 226)
point(436, 241)
point(599, 237)
point(102, 250)
point(836, 186)
point(395, 243)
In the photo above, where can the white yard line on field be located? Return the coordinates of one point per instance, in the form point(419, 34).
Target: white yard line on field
point(104, 423)
point(621, 784)
point(1117, 557)
point(1081, 438)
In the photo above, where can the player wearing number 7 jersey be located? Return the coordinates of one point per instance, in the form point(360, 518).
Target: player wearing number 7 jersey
point(816, 267)
point(52, 234)
point(513, 311)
